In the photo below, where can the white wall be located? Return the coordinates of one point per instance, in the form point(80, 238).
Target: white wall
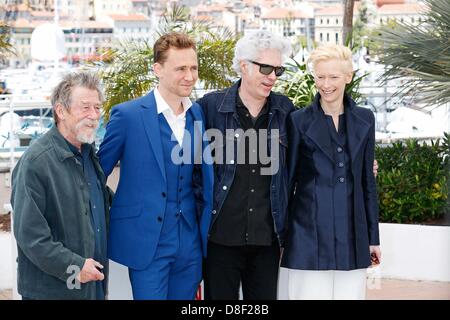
point(119, 282)
point(6, 264)
point(415, 252)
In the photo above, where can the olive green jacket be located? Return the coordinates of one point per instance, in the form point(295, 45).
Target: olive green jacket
point(51, 220)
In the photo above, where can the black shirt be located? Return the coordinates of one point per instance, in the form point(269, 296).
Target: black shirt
point(245, 218)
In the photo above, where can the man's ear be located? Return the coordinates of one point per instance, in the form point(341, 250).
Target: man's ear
point(60, 111)
point(244, 66)
point(157, 69)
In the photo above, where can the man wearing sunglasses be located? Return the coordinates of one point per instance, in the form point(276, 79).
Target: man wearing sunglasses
point(248, 220)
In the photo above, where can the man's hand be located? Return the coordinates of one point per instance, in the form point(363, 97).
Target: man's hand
point(90, 271)
point(375, 168)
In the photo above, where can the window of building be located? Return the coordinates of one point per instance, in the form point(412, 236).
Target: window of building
point(328, 37)
point(321, 37)
point(337, 38)
point(328, 21)
point(337, 21)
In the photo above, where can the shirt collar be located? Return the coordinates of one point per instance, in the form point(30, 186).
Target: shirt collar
point(163, 106)
point(264, 110)
point(85, 149)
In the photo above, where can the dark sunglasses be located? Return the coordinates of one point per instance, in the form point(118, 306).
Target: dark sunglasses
point(267, 69)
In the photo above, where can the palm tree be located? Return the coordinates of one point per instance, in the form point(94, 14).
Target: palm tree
point(348, 21)
point(419, 55)
point(5, 46)
point(129, 74)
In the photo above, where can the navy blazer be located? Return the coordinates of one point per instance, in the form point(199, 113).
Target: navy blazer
point(133, 137)
point(310, 155)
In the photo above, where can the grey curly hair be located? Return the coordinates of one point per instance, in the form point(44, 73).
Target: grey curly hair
point(252, 44)
point(62, 93)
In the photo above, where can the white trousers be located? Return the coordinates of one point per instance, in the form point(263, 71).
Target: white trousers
point(327, 285)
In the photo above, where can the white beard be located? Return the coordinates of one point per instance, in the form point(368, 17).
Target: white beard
point(83, 136)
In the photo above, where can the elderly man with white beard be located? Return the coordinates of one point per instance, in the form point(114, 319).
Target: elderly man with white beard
point(60, 201)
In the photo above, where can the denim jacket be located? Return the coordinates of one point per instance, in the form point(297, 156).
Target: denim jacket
point(220, 113)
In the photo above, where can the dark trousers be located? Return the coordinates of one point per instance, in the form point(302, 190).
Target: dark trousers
point(256, 267)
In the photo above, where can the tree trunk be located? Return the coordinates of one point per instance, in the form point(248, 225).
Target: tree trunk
point(348, 22)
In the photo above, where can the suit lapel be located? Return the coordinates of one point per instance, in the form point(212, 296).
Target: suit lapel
point(151, 124)
point(197, 131)
point(318, 130)
point(357, 130)
point(318, 133)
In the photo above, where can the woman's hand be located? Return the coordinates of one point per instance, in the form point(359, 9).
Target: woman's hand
point(375, 255)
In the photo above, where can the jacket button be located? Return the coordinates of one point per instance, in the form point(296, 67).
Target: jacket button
point(214, 212)
point(159, 219)
point(339, 149)
point(224, 188)
point(163, 194)
point(341, 179)
point(340, 164)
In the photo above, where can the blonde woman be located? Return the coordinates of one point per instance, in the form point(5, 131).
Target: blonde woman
point(333, 213)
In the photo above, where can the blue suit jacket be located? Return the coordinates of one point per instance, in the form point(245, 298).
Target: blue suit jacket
point(133, 138)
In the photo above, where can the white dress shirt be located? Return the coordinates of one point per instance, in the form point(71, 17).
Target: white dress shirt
point(176, 123)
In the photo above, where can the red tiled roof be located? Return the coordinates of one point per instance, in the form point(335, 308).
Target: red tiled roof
point(203, 18)
point(129, 17)
point(402, 8)
point(85, 24)
point(383, 2)
point(336, 10)
point(282, 13)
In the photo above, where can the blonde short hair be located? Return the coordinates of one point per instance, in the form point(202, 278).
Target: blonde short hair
point(332, 51)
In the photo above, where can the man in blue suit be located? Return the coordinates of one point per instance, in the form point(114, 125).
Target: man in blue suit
point(161, 212)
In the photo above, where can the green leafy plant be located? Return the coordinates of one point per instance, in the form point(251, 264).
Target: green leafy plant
point(419, 55)
point(128, 72)
point(5, 46)
point(413, 181)
point(297, 84)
